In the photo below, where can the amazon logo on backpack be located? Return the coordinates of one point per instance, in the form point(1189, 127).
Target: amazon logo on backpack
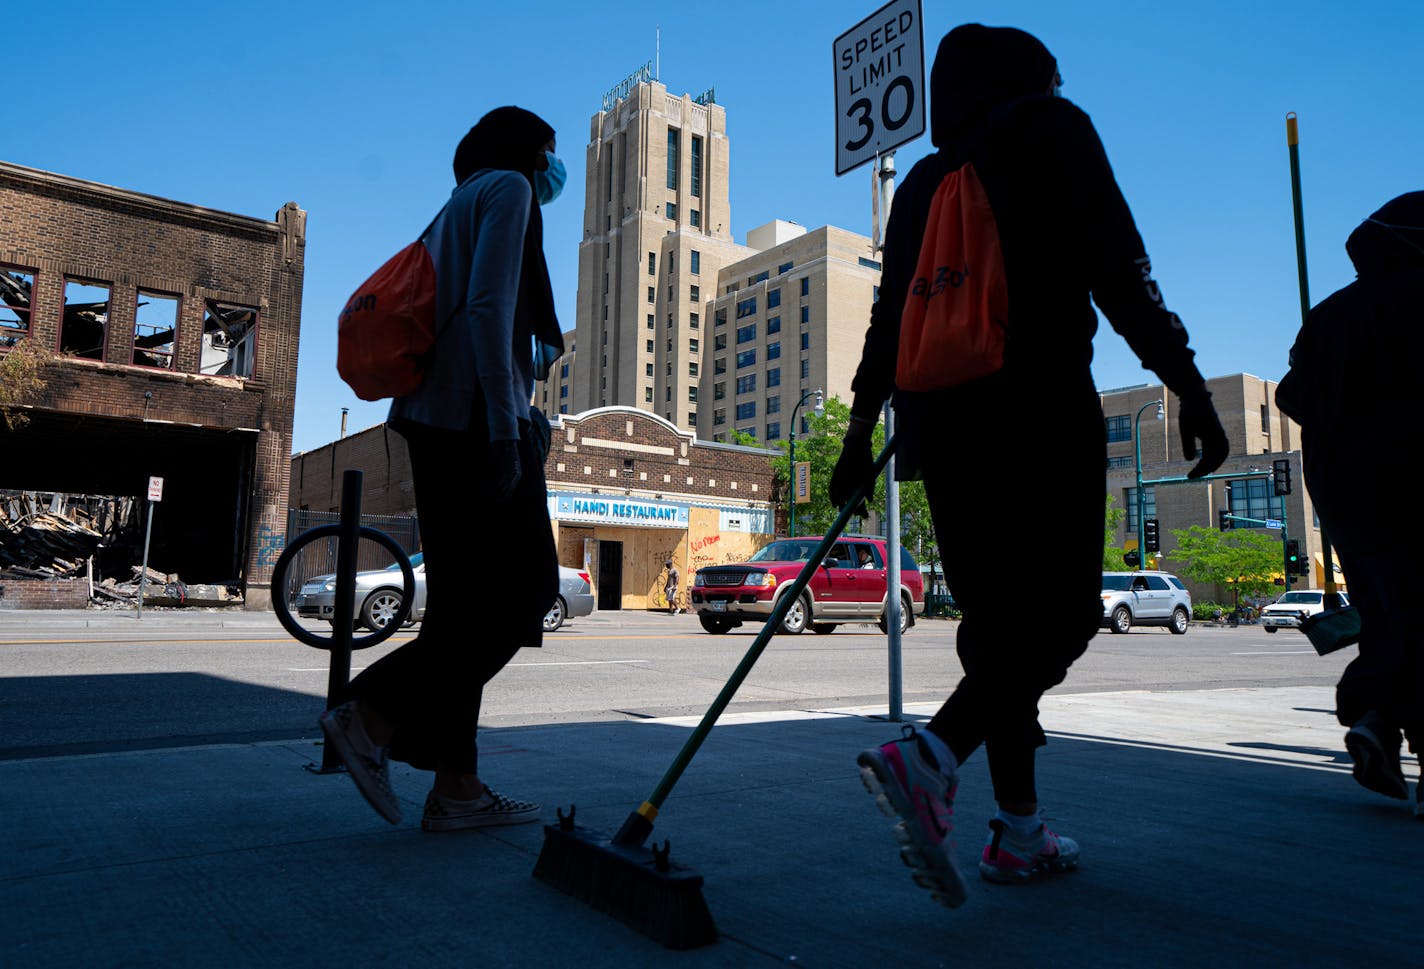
point(945, 278)
point(361, 301)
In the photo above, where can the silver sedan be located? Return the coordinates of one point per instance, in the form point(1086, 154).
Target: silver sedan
point(378, 596)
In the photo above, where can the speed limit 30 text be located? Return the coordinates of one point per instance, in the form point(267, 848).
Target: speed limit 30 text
point(876, 55)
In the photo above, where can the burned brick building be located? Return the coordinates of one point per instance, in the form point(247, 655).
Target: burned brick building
point(162, 340)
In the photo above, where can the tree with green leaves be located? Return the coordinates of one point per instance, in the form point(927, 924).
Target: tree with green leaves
point(1246, 559)
point(1112, 552)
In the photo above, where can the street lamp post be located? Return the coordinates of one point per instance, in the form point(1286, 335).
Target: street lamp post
point(818, 409)
point(1137, 460)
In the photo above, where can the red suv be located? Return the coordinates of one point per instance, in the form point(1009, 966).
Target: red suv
point(850, 586)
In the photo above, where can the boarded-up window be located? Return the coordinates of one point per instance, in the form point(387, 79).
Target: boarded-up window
point(155, 330)
point(229, 340)
point(86, 318)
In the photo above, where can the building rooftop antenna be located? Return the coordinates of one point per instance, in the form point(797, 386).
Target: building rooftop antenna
point(658, 54)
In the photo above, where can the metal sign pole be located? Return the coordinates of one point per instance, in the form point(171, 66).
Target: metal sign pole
point(885, 173)
point(143, 576)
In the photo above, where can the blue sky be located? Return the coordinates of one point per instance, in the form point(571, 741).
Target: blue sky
point(353, 110)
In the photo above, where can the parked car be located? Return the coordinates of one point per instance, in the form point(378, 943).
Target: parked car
point(378, 596)
point(575, 598)
point(843, 590)
point(1294, 606)
point(1145, 599)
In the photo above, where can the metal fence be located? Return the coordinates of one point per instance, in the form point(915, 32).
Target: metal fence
point(319, 557)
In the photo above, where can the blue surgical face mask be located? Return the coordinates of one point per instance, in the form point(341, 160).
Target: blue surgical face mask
point(550, 182)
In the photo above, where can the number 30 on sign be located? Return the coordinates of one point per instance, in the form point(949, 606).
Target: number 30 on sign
point(880, 83)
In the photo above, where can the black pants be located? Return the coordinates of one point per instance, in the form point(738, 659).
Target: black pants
point(1021, 534)
point(491, 573)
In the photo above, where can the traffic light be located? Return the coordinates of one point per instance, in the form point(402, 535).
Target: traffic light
point(1280, 476)
point(1293, 560)
point(1149, 535)
point(1223, 519)
point(1131, 558)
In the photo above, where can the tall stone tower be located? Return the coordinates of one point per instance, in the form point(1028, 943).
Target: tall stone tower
point(657, 230)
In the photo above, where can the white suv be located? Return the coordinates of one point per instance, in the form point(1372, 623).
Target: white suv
point(1145, 599)
point(1291, 608)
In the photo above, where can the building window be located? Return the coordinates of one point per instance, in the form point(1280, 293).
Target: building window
point(760, 277)
point(692, 369)
point(229, 339)
point(1265, 419)
point(648, 369)
point(1250, 498)
point(805, 425)
point(648, 394)
point(86, 318)
point(773, 325)
point(719, 390)
point(773, 350)
point(695, 294)
point(652, 294)
point(747, 384)
point(651, 324)
point(1120, 462)
point(669, 321)
point(652, 264)
point(746, 307)
point(746, 358)
point(696, 167)
point(694, 321)
point(674, 139)
point(672, 292)
point(747, 411)
point(719, 366)
point(869, 263)
point(719, 342)
point(693, 346)
point(719, 317)
point(1119, 429)
point(671, 262)
point(719, 416)
point(694, 218)
point(805, 285)
point(564, 392)
point(16, 287)
point(805, 341)
point(805, 369)
point(672, 211)
point(605, 284)
point(746, 334)
point(805, 314)
point(695, 265)
point(669, 345)
point(563, 408)
point(1149, 502)
point(650, 346)
point(564, 372)
point(773, 377)
point(773, 298)
point(155, 330)
point(747, 432)
point(605, 338)
point(667, 395)
point(773, 431)
point(692, 418)
point(669, 368)
point(773, 405)
point(692, 395)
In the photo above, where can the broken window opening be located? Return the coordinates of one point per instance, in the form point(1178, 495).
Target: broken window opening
point(86, 319)
point(16, 287)
point(229, 340)
point(155, 330)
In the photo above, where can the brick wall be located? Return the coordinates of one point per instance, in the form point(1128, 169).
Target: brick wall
point(60, 228)
point(44, 594)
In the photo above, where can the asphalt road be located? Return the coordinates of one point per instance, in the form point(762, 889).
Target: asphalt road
point(66, 690)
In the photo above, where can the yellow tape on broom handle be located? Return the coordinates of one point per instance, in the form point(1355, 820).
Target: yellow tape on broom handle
point(1292, 132)
point(648, 810)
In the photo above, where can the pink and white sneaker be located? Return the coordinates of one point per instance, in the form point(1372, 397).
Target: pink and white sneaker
point(1008, 859)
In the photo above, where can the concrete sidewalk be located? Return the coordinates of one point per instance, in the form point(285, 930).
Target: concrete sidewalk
point(1218, 828)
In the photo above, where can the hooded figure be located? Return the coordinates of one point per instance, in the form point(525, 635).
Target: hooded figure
point(477, 453)
point(1353, 367)
point(1068, 241)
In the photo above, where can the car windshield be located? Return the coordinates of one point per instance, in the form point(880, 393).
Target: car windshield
point(1306, 597)
point(785, 551)
point(1117, 583)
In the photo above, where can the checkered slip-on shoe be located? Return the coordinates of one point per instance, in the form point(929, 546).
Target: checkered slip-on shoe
point(487, 810)
point(366, 762)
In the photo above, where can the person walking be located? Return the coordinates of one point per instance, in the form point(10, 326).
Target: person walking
point(670, 587)
point(497, 333)
point(1066, 236)
point(1355, 359)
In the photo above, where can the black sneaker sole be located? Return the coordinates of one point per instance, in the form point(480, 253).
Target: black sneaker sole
point(1372, 764)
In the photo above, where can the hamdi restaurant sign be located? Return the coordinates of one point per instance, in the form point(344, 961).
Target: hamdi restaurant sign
point(616, 510)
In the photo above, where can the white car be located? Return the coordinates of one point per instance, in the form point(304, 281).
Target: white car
point(1288, 611)
point(1145, 599)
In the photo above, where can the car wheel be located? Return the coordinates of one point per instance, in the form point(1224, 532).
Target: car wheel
point(380, 608)
point(1180, 619)
point(714, 626)
point(1270, 629)
point(798, 617)
point(823, 628)
point(1121, 619)
point(554, 618)
point(905, 607)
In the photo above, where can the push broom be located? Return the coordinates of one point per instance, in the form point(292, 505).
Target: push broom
point(640, 885)
point(1335, 626)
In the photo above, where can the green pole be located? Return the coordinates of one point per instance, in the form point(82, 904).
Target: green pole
point(791, 476)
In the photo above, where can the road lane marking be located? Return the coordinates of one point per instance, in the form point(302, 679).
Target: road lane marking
point(593, 662)
point(1279, 652)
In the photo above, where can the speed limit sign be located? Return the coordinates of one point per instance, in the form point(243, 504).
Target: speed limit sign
point(880, 84)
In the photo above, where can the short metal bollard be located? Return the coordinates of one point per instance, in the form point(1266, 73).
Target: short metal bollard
point(348, 532)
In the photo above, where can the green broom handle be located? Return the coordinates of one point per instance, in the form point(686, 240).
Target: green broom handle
point(689, 749)
point(1293, 143)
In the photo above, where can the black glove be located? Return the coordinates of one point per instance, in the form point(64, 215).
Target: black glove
point(1198, 422)
point(540, 432)
point(504, 470)
point(855, 467)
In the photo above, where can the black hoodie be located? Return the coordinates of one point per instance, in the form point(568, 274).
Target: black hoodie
point(1355, 363)
point(1066, 232)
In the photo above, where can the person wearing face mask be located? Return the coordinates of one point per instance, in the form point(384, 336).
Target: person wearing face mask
point(496, 334)
point(1354, 365)
point(1067, 240)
